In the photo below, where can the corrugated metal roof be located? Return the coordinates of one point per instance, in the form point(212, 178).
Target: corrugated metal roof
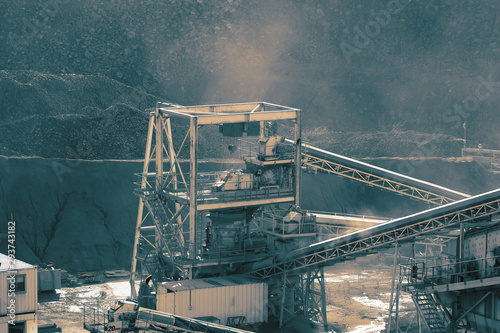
point(18, 264)
point(215, 282)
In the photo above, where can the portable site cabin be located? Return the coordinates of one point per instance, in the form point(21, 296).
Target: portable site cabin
point(19, 300)
point(220, 299)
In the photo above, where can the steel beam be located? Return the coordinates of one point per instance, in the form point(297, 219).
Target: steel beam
point(245, 203)
point(140, 212)
point(172, 155)
point(159, 150)
point(227, 108)
point(298, 158)
point(245, 117)
point(193, 175)
point(325, 161)
point(375, 180)
point(467, 285)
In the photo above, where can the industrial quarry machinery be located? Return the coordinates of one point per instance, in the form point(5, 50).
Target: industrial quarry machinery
point(210, 230)
point(209, 224)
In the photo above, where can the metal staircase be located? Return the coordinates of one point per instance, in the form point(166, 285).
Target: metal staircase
point(167, 227)
point(430, 311)
point(165, 236)
point(413, 280)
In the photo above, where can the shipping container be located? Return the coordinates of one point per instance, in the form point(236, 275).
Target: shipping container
point(221, 297)
point(20, 279)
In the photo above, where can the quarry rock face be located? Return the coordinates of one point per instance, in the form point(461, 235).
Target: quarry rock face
point(94, 117)
point(71, 116)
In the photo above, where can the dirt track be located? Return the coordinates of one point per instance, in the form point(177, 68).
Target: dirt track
point(358, 295)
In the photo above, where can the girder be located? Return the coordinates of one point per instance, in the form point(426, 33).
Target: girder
point(374, 180)
point(328, 162)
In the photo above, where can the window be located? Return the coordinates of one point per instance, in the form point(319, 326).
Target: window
point(18, 327)
point(20, 283)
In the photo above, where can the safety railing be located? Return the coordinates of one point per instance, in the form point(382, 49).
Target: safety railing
point(264, 192)
point(95, 318)
point(251, 150)
point(452, 272)
point(277, 223)
point(487, 157)
point(248, 149)
point(490, 154)
point(362, 217)
point(212, 188)
point(219, 251)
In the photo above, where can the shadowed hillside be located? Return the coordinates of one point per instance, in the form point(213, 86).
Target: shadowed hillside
point(72, 116)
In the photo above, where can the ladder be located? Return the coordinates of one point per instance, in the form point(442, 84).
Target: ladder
point(434, 318)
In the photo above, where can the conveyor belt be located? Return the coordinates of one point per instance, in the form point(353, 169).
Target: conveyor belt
point(322, 160)
point(357, 243)
point(345, 220)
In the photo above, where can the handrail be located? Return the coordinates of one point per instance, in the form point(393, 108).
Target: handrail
point(344, 214)
point(460, 270)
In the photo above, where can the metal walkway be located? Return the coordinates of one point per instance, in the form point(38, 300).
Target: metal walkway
point(325, 161)
point(473, 209)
